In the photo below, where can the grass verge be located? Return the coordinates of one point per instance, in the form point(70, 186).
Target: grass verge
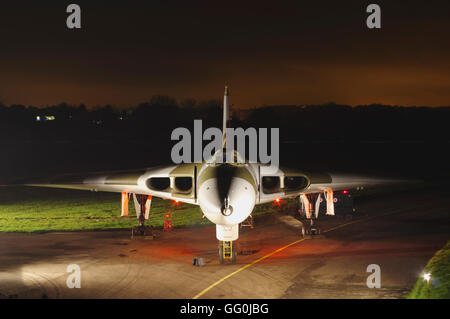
point(439, 268)
point(34, 209)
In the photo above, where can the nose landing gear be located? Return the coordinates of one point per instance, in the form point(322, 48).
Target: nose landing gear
point(227, 252)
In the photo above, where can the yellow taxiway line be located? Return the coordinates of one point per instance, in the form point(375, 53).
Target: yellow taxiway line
point(245, 267)
point(201, 293)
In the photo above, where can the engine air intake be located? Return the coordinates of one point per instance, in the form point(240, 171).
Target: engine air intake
point(295, 183)
point(158, 183)
point(183, 184)
point(271, 184)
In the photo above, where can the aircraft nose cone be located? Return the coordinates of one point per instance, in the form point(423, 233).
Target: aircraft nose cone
point(230, 210)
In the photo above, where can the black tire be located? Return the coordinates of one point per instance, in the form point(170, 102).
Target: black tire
point(148, 231)
point(221, 254)
point(233, 255)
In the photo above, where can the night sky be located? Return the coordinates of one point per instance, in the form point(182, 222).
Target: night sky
point(268, 53)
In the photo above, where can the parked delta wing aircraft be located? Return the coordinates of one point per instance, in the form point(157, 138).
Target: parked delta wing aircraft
point(226, 192)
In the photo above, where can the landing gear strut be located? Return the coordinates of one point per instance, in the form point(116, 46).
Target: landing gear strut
point(142, 204)
point(312, 229)
point(227, 252)
point(310, 226)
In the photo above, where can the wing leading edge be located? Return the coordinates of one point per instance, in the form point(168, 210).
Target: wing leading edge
point(175, 182)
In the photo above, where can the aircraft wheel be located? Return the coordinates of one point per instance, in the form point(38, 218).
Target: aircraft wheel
point(221, 254)
point(233, 255)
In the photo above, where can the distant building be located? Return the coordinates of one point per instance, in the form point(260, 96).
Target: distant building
point(43, 118)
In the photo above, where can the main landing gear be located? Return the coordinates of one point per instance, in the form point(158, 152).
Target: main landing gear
point(311, 230)
point(142, 231)
point(227, 252)
point(310, 227)
point(142, 204)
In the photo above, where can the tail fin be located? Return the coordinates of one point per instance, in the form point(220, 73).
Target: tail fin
point(226, 115)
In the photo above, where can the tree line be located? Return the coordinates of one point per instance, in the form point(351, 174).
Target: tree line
point(155, 119)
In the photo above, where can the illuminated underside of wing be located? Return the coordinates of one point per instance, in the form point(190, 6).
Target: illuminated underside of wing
point(171, 182)
point(287, 183)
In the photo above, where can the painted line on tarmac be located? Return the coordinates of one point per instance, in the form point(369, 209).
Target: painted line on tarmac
point(245, 267)
point(201, 293)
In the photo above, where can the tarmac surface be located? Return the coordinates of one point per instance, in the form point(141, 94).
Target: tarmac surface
point(400, 233)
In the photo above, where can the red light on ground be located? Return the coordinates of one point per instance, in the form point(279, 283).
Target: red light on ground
point(175, 203)
point(277, 202)
point(345, 191)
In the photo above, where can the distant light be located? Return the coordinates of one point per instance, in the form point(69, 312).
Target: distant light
point(345, 191)
point(38, 118)
point(277, 199)
point(50, 118)
point(427, 276)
